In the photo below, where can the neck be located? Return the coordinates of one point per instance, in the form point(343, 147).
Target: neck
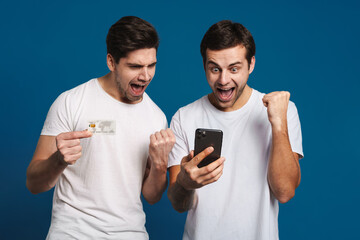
point(239, 103)
point(107, 82)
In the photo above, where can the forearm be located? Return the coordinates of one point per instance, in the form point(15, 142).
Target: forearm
point(181, 199)
point(42, 175)
point(154, 185)
point(284, 169)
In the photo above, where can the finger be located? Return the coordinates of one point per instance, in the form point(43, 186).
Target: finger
point(158, 136)
point(71, 151)
point(152, 139)
point(62, 143)
point(214, 179)
point(75, 135)
point(71, 159)
point(212, 166)
point(198, 158)
point(213, 172)
point(171, 135)
point(164, 135)
point(265, 101)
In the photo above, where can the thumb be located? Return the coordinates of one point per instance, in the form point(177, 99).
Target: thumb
point(198, 158)
point(188, 157)
point(85, 134)
point(265, 101)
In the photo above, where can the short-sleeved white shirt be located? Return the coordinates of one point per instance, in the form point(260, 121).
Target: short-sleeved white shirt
point(99, 196)
point(240, 204)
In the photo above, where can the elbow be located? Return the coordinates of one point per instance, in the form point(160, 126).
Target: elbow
point(180, 210)
point(285, 198)
point(153, 201)
point(175, 205)
point(286, 195)
point(31, 187)
point(34, 187)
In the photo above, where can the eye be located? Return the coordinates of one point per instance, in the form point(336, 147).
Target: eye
point(234, 69)
point(135, 67)
point(215, 69)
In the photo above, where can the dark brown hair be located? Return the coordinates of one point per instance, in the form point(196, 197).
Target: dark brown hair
point(227, 34)
point(128, 34)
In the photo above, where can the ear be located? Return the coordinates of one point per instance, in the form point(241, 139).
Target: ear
point(252, 65)
point(110, 62)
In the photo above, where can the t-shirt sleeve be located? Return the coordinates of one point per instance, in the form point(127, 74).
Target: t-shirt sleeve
point(58, 119)
point(294, 129)
point(180, 148)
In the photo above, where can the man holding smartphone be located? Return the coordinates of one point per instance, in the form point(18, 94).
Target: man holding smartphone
point(99, 173)
point(262, 143)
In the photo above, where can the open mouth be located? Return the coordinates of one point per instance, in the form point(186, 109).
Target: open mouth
point(225, 94)
point(137, 89)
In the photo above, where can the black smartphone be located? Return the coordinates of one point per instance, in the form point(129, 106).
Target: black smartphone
point(205, 138)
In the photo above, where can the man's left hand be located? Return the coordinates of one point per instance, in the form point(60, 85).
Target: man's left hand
point(160, 146)
point(277, 105)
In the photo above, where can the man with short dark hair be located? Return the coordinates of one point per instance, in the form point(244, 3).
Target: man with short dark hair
point(99, 173)
point(236, 198)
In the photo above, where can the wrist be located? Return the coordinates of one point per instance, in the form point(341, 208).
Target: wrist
point(59, 160)
point(279, 126)
point(159, 167)
point(182, 185)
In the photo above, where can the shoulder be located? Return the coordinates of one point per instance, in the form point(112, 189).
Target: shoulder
point(81, 89)
point(72, 98)
point(193, 107)
point(78, 90)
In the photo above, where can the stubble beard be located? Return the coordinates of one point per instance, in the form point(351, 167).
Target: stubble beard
point(124, 95)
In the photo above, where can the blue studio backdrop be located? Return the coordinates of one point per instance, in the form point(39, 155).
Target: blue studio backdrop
point(309, 48)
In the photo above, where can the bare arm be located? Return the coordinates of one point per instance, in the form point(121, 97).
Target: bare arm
point(51, 157)
point(187, 177)
point(155, 179)
point(181, 199)
point(284, 169)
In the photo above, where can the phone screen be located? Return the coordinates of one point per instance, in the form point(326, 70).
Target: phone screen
point(205, 138)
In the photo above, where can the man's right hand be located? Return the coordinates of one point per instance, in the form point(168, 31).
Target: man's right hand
point(192, 177)
point(68, 145)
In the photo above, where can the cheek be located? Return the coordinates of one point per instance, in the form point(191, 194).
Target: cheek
point(152, 72)
point(211, 78)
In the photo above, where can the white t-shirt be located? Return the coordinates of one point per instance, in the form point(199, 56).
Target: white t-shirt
point(99, 196)
point(240, 204)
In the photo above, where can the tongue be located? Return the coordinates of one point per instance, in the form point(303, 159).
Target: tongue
point(225, 94)
point(136, 88)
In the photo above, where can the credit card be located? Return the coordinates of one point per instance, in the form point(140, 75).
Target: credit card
point(102, 127)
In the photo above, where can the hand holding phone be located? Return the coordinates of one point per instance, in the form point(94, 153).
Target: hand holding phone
point(205, 138)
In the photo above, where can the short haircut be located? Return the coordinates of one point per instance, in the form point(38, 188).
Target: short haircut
point(129, 34)
point(227, 34)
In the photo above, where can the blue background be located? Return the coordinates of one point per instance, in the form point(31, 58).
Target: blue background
point(310, 48)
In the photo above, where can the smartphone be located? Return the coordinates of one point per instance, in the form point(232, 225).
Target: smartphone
point(205, 138)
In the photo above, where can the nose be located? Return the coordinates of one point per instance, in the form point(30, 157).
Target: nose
point(224, 78)
point(145, 74)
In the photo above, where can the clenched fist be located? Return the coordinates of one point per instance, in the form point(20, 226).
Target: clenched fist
point(68, 145)
point(277, 105)
point(160, 146)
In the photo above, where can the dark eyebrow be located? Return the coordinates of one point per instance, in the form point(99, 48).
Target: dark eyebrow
point(211, 62)
point(139, 65)
point(153, 64)
point(235, 63)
